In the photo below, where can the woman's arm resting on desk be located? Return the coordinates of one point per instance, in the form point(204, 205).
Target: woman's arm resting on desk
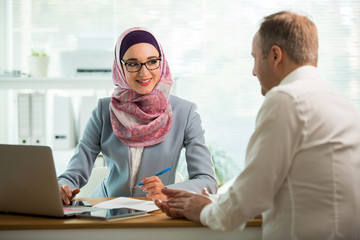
point(184, 204)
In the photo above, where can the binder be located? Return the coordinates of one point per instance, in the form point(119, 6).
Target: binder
point(31, 118)
point(38, 124)
point(63, 123)
point(24, 118)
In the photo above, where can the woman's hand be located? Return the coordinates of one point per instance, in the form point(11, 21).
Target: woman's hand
point(66, 194)
point(153, 186)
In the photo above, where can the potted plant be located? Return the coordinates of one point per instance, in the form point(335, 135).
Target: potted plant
point(38, 63)
point(225, 167)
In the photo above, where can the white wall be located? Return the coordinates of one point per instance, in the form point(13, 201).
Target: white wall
point(3, 116)
point(3, 95)
point(3, 50)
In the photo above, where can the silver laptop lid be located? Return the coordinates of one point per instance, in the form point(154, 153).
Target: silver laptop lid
point(28, 182)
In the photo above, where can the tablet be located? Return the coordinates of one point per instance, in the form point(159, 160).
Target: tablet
point(111, 214)
point(80, 203)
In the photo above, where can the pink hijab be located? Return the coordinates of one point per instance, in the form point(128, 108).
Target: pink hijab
point(140, 120)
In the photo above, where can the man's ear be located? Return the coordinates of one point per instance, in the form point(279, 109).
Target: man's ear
point(276, 55)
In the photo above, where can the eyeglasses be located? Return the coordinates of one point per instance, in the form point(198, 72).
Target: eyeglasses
point(132, 66)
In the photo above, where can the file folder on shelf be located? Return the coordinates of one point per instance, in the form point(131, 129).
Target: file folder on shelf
point(63, 124)
point(24, 118)
point(31, 118)
point(38, 131)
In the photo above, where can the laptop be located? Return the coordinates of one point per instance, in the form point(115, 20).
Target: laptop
point(28, 182)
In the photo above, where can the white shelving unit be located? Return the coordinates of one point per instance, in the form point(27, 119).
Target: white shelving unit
point(56, 83)
point(9, 87)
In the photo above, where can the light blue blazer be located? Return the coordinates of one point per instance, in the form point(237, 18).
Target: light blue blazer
point(186, 132)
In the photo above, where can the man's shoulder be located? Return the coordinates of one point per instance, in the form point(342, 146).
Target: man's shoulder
point(293, 90)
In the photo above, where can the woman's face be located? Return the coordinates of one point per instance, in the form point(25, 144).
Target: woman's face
point(143, 81)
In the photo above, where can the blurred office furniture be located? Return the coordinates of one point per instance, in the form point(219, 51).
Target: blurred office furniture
point(86, 62)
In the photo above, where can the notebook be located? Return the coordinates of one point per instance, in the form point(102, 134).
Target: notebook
point(28, 182)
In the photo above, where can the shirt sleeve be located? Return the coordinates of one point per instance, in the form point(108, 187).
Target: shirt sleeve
point(268, 159)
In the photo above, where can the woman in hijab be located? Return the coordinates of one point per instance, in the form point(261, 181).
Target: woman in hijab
point(140, 130)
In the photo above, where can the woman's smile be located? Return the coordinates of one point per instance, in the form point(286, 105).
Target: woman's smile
point(144, 82)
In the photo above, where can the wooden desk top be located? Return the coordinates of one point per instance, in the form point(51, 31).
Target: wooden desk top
point(156, 219)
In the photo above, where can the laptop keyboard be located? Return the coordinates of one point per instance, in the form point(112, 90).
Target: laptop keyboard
point(70, 210)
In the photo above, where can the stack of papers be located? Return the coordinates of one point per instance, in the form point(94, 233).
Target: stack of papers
point(124, 202)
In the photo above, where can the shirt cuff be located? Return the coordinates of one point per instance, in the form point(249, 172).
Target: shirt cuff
point(213, 197)
point(204, 214)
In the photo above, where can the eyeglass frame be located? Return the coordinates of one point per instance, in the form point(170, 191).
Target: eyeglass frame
point(141, 64)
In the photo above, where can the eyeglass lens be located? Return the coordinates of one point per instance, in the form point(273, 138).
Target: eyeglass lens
point(136, 66)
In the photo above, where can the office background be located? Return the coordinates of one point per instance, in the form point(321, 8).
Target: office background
point(208, 46)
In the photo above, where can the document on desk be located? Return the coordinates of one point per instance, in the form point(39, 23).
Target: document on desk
point(124, 202)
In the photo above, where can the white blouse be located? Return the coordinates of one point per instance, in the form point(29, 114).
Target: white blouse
point(302, 166)
point(135, 160)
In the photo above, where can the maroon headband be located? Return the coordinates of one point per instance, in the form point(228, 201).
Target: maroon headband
point(135, 38)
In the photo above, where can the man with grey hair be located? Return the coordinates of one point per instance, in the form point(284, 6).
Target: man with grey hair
point(302, 161)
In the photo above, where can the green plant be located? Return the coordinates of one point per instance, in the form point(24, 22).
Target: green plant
point(224, 165)
point(38, 52)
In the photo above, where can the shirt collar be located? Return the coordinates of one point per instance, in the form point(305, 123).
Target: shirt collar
point(303, 72)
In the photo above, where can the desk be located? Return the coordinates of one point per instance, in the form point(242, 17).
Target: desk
point(155, 226)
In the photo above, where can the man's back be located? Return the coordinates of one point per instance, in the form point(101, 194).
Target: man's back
point(319, 197)
point(303, 159)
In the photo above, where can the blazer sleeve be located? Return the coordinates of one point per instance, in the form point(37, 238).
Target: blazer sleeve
point(198, 157)
point(81, 164)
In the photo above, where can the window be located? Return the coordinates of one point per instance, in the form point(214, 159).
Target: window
point(207, 44)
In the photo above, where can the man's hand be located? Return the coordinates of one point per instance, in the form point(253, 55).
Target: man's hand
point(184, 203)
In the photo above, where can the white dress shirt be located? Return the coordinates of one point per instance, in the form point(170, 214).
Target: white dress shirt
point(302, 166)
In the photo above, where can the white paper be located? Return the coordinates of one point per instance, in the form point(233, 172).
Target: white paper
point(124, 202)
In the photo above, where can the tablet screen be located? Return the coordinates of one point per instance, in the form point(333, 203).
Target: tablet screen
point(80, 203)
point(115, 213)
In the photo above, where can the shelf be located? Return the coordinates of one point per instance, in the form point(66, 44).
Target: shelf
point(57, 83)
